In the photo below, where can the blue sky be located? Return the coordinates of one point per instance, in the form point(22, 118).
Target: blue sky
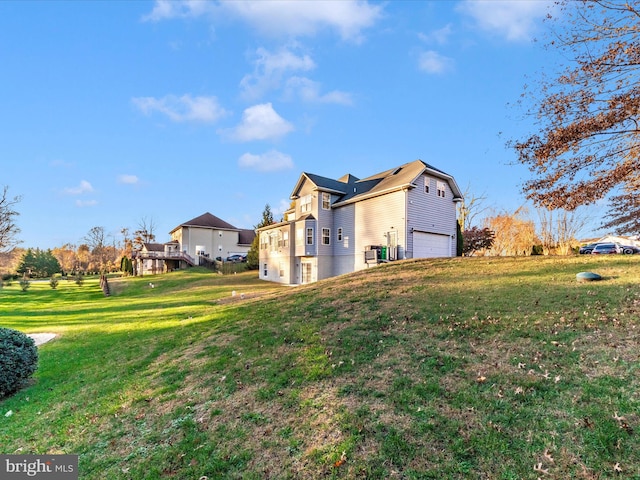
point(112, 112)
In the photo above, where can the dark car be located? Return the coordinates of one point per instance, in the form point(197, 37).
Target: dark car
point(630, 249)
point(237, 258)
point(606, 248)
point(587, 248)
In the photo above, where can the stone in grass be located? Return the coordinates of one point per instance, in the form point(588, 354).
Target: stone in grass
point(588, 277)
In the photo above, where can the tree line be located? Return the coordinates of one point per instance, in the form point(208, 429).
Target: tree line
point(97, 252)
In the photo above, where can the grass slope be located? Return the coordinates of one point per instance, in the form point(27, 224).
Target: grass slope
point(501, 368)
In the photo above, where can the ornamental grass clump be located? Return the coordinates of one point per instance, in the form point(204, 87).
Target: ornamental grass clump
point(18, 360)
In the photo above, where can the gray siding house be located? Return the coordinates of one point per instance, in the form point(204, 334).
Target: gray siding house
point(344, 225)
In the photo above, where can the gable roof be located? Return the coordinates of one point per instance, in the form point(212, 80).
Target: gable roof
point(246, 236)
point(351, 189)
point(153, 247)
point(206, 220)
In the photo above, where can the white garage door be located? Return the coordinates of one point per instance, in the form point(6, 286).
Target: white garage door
point(429, 245)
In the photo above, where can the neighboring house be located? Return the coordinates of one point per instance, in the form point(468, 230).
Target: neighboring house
point(344, 225)
point(618, 239)
point(156, 258)
point(198, 241)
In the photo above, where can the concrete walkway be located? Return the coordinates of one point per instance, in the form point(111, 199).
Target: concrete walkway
point(40, 338)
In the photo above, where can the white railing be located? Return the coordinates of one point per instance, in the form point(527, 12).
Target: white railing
point(164, 255)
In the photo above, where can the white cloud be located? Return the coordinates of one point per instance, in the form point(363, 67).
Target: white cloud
point(260, 122)
point(309, 91)
point(432, 62)
point(440, 36)
point(270, 69)
point(61, 164)
point(515, 20)
point(168, 9)
point(128, 179)
point(282, 207)
point(267, 162)
point(86, 203)
point(84, 187)
point(280, 17)
point(182, 109)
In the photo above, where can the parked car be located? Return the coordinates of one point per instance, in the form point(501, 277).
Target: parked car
point(606, 248)
point(630, 249)
point(237, 258)
point(587, 248)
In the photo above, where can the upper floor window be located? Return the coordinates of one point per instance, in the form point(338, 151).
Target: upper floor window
point(427, 184)
point(309, 236)
point(305, 204)
point(442, 189)
point(326, 201)
point(339, 234)
point(326, 236)
point(285, 239)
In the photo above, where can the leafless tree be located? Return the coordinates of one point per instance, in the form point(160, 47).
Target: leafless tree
point(8, 227)
point(558, 230)
point(145, 233)
point(470, 208)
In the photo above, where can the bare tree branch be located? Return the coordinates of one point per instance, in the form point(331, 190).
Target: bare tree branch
point(8, 227)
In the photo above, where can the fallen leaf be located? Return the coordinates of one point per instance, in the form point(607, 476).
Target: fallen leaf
point(343, 458)
point(538, 468)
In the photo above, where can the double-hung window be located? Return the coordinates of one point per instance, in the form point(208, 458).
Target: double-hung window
point(305, 204)
point(309, 236)
point(326, 201)
point(442, 189)
point(326, 236)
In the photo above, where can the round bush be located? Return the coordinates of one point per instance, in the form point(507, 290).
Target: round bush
point(18, 360)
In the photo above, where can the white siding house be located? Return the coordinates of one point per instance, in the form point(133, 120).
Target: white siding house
point(340, 226)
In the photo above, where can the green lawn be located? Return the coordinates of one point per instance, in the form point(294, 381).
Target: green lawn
point(499, 368)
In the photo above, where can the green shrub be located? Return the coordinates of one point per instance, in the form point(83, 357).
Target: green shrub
point(18, 360)
point(25, 284)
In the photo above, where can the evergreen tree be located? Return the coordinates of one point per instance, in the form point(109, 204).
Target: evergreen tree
point(38, 263)
point(253, 256)
point(27, 263)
